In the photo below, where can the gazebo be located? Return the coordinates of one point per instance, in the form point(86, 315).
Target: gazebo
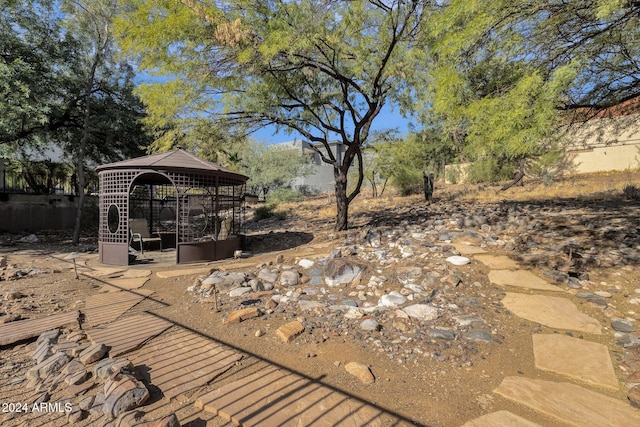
point(188, 203)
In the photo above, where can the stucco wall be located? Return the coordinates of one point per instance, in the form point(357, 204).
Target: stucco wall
point(605, 144)
point(602, 159)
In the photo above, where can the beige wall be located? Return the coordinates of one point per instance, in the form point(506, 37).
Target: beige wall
point(603, 159)
point(605, 144)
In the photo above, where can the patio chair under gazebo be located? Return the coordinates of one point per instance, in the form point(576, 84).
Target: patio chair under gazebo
point(185, 202)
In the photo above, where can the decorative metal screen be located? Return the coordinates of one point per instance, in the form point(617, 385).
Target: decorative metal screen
point(196, 206)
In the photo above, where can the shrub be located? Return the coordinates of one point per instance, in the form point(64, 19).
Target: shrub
point(631, 192)
point(268, 211)
point(284, 195)
point(489, 170)
point(408, 181)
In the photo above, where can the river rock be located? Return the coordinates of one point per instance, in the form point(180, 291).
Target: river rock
point(392, 299)
point(289, 278)
point(622, 325)
point(421, 311)
point(339, 272)
point(267, 275)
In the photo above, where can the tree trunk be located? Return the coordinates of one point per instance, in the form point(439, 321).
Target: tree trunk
point(342, 201)
point(81, 149)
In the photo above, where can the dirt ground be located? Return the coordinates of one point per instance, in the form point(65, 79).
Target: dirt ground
point(422, 391)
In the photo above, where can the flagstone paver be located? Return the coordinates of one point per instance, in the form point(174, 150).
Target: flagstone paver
point(277, 397)
point(580, 359)
point(107, 307)
point(500, 419)
point(554, 312)
point(521, 279)
point(183, 361)
point(569, 403)
point(497, 262)
point(23, 329)
point(465, 249)
point(182, 272)
point(128, 334)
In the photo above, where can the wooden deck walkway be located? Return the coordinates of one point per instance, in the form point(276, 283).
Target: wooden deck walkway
point(23, 329)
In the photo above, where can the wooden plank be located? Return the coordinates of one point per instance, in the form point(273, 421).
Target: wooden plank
point(274, 396)
point(128, 334)
point(183, 361)
point(107, 307)
point(23, 329)
point(115, 285)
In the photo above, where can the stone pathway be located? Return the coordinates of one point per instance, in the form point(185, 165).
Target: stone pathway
point(578, 359)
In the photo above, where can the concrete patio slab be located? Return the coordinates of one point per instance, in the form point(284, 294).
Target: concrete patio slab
point(183, 272)
point(497, 262)
point(107, 307)
point(29, 328)
point(500, 419)
point(115, 285)
point(466, 249)
point(179, 362)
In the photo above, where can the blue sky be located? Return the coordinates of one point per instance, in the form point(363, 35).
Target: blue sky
point(387, 119)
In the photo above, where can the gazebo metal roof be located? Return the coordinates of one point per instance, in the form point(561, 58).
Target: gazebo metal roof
point(177, 160)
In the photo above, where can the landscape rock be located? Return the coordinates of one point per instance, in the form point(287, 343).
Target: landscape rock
point(267, 275)
point(289, 278)
point(49, 366)
point(122, 395)
point(238, 316)
point(289, 331)
point(93, 353)
point(340, 271)
point(360, 371)
point(421, 311)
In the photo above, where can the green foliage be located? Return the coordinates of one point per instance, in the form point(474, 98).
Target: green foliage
point(323, 70)
point(506, 71)
point(271, 168)
point(489, 170)
point(268, 211)
point(44, 71)
point(405, 160)
point(284, 195)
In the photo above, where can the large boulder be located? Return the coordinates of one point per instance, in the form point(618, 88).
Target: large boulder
point(341, 272)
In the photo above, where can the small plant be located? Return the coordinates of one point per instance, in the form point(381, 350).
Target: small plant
point(268, 211)
point(631, 192)
point(284, 195)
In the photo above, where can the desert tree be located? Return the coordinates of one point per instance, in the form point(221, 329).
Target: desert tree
point(507, 73)
point(323, 69)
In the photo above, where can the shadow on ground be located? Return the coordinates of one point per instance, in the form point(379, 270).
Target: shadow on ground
point(276, 241)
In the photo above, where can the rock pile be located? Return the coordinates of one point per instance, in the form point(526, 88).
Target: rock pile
point(91, 384)
point(404, 287)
